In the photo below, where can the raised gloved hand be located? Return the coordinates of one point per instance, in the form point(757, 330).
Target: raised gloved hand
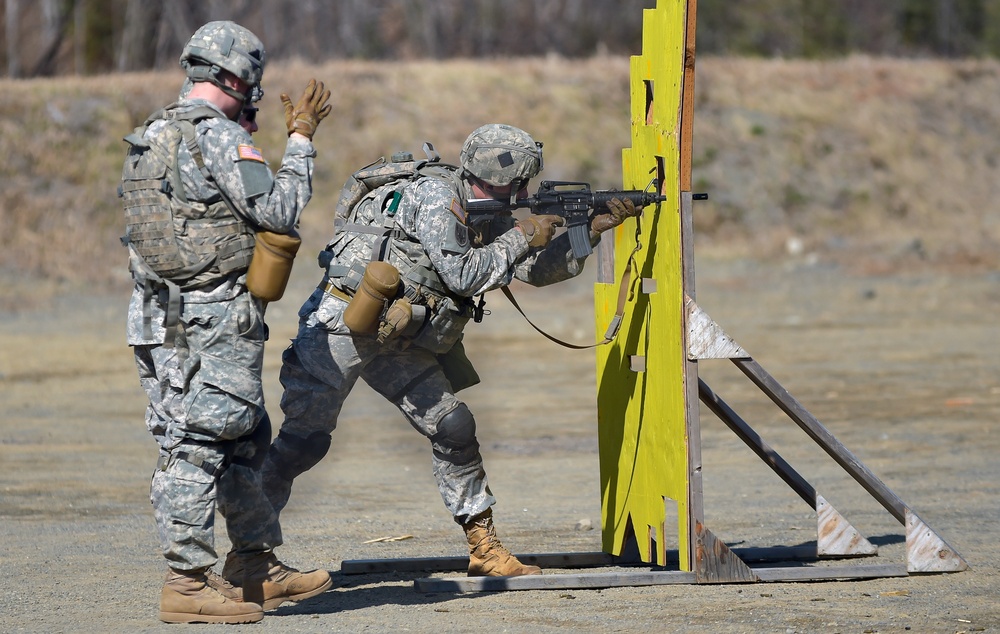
point(312, 108)
point(538, 230)
point(619, 210)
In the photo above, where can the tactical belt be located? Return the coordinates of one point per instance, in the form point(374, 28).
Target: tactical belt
point(330, 289)
point(164, 461)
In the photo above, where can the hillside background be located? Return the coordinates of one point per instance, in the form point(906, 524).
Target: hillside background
point(870, 162)
point(853, 132)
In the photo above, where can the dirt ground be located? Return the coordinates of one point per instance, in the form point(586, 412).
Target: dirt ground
point(902, 368)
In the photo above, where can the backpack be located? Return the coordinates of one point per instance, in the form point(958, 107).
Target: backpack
point(400, 167)
point(382, 180)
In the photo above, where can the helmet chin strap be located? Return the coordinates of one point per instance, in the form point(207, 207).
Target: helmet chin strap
point(515, 187)
point(243, 98)
point(211, 75)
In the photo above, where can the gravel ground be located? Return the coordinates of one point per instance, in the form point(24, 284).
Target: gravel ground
point(901, 368)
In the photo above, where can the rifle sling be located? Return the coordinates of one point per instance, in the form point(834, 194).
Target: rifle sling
point(610, 334)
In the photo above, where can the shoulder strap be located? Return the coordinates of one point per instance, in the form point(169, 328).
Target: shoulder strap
point(185, 123)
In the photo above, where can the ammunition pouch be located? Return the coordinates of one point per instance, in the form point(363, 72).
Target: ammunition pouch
point(403, 318)
point(446, 323)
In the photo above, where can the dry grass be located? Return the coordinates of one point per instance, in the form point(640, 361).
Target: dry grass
point(894, 161)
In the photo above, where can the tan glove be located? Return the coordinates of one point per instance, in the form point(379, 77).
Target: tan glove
point(538, 230)
point(312, 108)
point(619, 210)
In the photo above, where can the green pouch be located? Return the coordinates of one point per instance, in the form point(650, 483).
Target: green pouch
point(457, 367)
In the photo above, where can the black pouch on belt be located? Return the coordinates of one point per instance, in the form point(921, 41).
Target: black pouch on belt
point(458, 369)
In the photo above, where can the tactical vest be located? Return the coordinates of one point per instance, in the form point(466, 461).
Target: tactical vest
point(178, 241)
point(365, 213)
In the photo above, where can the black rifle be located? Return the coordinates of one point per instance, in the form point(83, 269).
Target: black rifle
point(573, 201)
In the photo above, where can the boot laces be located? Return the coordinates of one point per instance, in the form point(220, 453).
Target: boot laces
point(215, 580)
point(490, 539)
point(279, 572)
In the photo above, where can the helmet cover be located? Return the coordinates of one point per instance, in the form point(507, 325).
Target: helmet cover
point(501, 154)
point(225, 45)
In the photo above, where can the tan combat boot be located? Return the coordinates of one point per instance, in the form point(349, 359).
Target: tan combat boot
point(218, 583)
point(270, 583)
point(186, 597)
point(487, 556)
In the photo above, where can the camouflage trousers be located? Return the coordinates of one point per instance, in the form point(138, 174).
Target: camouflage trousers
point(320, 369)
point(206, 412)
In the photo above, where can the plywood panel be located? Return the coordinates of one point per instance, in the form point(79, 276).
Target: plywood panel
point(641, 417)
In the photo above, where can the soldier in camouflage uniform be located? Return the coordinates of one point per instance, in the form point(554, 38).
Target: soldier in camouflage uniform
point(198, 334)
point(417, 361)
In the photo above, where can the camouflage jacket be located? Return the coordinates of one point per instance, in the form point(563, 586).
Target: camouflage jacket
point(436, 248)
point(264, 200)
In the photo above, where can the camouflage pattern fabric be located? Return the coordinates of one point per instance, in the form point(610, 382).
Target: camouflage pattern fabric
point(325, 359)
point(271, 202)
point(501, 155)
point(205, 395)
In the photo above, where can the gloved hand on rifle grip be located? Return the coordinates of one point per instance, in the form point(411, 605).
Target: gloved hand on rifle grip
point(539, 230)
point(619, 209)
point(311, 108)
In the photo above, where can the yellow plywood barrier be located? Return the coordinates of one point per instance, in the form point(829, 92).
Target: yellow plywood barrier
point(644, 451)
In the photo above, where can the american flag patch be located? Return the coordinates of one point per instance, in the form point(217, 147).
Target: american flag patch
point(456, 208)
point(250, 153)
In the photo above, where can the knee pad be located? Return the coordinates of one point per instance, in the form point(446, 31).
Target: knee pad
point(455, 439)
point(293, 455)
point(251, 450)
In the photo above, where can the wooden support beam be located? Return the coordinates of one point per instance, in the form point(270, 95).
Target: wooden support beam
point(753, 440)
point(450, 564)
point(926, 551)
point(560, 561)
point(715, 562)
point(841, 454)
point(647, 578)
point(835, 536)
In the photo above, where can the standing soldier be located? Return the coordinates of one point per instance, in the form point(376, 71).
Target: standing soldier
point(196, 191)
point(397, 292)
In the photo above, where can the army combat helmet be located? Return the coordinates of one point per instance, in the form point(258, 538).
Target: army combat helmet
point(501, 155)
point(224, 45)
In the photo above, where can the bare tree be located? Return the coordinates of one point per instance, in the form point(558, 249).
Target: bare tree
point(138, 42)
point(13, 19)
point(79, 36)
point(55, 24)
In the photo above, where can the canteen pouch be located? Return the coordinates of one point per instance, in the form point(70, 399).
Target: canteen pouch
point(271, 265)
point(379, 286)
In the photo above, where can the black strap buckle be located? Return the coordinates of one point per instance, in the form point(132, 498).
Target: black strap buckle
point(479, 310)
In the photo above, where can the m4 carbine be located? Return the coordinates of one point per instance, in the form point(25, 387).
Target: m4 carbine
point(573, 201)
